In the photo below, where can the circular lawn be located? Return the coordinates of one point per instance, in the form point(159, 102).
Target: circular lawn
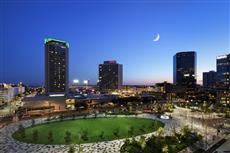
point(86, 130)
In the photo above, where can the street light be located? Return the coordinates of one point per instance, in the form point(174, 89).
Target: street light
point(75, 81)
point(86, 82)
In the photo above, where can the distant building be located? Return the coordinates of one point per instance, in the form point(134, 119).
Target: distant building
point(8, 93)
point(110, 76)
point(223, 71)
point(184, 69)
point(56, 66)
point(164, 87)
point(209, 79)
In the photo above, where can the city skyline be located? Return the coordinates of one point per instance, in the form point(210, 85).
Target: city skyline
point(111, 36)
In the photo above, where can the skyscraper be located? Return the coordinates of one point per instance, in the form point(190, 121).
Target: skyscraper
point(184, 69)
point(223, 71)
point(56, 66)
point(209, 79)
point(110, 76)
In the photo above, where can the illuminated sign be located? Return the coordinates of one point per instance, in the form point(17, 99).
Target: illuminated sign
point(52, 39)
point(222, 56)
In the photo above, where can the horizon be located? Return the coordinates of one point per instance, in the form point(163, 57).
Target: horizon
point(100, 31)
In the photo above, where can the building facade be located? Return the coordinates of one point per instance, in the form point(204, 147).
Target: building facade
point(8, 93)
point(56, 66)
point(209, 79)
point(184, 69)
point(223, 71)
point(164, 87)
point(110, 76)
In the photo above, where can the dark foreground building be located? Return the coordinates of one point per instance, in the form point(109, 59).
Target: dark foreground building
point(223, 71)
point(56, 66)
point(110, 76)
point(184, 69)
point(209, 79)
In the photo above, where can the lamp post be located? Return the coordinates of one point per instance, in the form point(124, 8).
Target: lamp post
point(86, 83)
point(76, 82)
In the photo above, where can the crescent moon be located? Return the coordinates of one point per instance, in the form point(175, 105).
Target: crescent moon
point(157, 38)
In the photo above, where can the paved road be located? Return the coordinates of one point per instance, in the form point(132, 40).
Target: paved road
point(215, 146)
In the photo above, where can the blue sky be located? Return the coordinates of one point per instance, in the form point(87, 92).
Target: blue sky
point(104, 30)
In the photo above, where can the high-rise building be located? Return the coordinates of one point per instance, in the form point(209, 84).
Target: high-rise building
point(209, 79)
point(223, 71)
point(110, 76)
point(184, 69)
point(56, 66)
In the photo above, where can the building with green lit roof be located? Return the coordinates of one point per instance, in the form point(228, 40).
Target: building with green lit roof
point(56, 66)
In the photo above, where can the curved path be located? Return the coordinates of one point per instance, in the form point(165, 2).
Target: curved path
point(10, 145)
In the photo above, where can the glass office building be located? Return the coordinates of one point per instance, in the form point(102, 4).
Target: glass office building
point(184, 69)
point(209, 79)
point(223, 71)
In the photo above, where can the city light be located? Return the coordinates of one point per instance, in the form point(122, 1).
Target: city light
point(150, 98)
point(86, 82)
point(57, 95)
point(76, 81)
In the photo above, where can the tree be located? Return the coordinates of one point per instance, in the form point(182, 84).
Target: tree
point(71, 149)
point(67, 137)
point(210, 108)
point(84, 135)
point(73, 116)
point(35, 135)
point(143, 128)
point(50, 136)
point(116, 132)
point(176, 135)
point(32, 122)
point(160, 132)
point(153, 125)
point(142, 142)
point(185, 130)
point(101, 135)
point(61, 117)
point(131, 130)
point(22, 131)
point(205, 106)
point(165, 149)
point(130, 109)
point(131, 147)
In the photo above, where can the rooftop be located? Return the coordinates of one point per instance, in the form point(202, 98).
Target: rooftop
point(56, 40)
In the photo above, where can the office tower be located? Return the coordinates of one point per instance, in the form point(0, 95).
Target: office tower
point(209, 79)
point(56, 66)
point(110, 76)
point(223, 71)
point(184, 69)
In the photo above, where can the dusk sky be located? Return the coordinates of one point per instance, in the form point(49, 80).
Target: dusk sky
point(111, 30)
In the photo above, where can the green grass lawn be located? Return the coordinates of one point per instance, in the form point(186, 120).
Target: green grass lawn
point(89, 130)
